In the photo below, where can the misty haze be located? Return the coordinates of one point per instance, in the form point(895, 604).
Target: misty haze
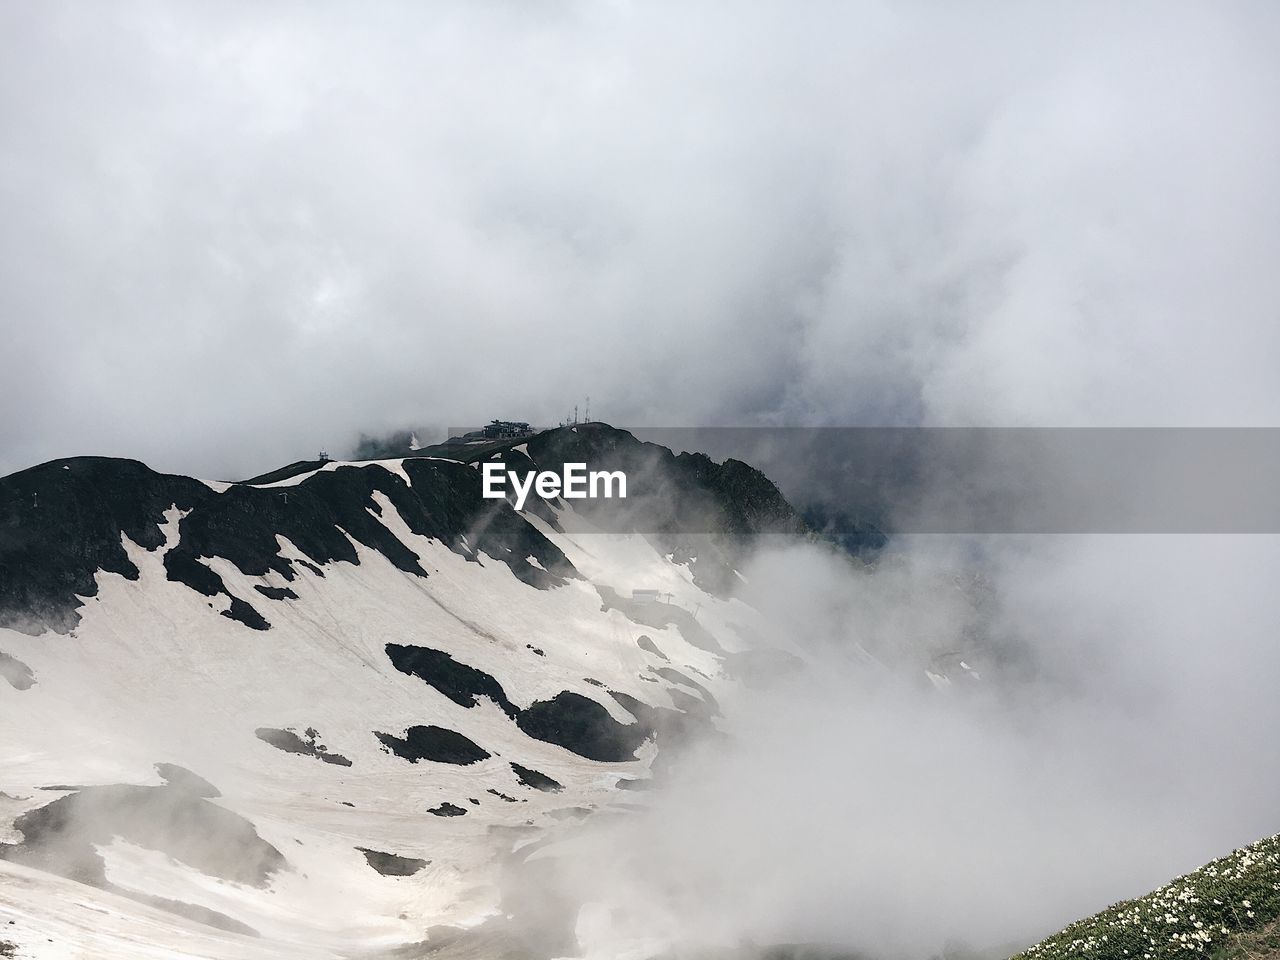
point(861, 537)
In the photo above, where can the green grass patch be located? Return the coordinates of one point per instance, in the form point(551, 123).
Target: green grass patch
point(1226, 910)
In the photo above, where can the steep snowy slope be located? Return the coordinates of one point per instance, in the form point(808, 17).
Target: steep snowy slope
point(332, 714)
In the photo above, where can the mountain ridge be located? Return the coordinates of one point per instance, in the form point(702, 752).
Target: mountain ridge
point(49, 547)
point(354, 657)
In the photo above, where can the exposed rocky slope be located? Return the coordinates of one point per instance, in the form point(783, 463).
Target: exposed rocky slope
point(335, 710)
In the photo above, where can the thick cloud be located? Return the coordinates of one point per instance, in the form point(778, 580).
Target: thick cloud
point(1115, 739)
point(236, 233)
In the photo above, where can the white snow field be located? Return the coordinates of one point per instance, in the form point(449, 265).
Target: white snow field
point(153, 674)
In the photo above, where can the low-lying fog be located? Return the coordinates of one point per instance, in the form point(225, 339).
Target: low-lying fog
point(1114, 727)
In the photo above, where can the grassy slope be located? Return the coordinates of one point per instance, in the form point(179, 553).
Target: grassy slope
point(1262, 944)
point(1227, 910)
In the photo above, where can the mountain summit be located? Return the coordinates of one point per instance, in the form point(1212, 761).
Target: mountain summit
point(330, 706)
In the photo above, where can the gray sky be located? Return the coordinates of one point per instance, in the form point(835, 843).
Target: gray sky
point(236, 233)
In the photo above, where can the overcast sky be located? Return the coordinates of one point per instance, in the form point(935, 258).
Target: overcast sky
point(235, 233)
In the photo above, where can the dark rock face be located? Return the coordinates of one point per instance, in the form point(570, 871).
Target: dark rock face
point(392, 865)
point(687, 492)
point(633, 784)
point(702, 512)
point(569, 720)
point(583, 726)
point(688, 703)
point(287, 471)
point(290, 742)
point(180, 778)
point(241, 525)
point(245, 613)
point(675, 676)
point(646, 644)
point(433, 743)
point(16, 673)
point(61, 836)
point(447, 809)
point(459, 682)
point(276, 593)
point(532, 778)
point(61, 522)
point(859, 536)
point(669, 727)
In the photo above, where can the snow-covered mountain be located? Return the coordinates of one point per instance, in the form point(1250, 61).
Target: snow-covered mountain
point(332, 711)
